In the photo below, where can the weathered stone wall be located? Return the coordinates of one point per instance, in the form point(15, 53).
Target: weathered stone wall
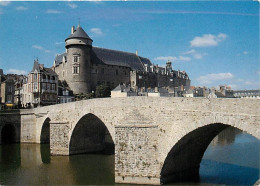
point(136, 154)
point(28, 127)
point(157, 125)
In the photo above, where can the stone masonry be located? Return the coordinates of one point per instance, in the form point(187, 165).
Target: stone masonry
point(156, 139)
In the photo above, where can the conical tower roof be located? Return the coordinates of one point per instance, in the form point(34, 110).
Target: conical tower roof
point(79, 33)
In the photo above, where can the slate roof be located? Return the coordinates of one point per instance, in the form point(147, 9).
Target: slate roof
point(114, 57)
point(79, 33)
point(59, 58)
point(122, 88)
point(41, 68)
point(119, 58)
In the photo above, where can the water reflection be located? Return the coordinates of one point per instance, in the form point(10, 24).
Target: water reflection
point(226, 137)
point(45, 153)
point(227, 161)
point(232, 158)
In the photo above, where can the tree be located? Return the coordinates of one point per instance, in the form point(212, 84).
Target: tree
point(102, 91)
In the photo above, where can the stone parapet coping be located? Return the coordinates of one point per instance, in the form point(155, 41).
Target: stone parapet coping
point(136, 126)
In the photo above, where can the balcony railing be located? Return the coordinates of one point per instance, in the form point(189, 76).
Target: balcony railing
point(49, 81)
point(49, 91)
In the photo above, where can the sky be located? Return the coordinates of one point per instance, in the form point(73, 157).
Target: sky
point(215, 42)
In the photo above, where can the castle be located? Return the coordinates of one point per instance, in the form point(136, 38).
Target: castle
point(84, 66)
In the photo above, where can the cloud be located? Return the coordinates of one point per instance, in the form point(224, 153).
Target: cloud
point(256, 84)
point(210, 78)
point(50, 11)
point(59, 43)
point(208, 40)
point(165, 58)
point(172, 58)
point(245, 52)
point(72, 5)
point(21, 8)
point(182, 58)
point(16, 71)
point(195, 54)
point(96, 31)
point(41, 48)
point(4, 3)
point(196, 12)
point(97, 1)
point(199, 56)
point(192, 51)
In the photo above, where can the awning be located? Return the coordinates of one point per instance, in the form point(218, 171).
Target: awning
point(9, 105)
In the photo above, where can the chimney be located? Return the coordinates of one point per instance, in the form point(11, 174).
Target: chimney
point(136, 52)
point(72, 29)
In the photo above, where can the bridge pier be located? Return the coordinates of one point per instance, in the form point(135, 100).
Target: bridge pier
point(59, 138)
point(136, 152)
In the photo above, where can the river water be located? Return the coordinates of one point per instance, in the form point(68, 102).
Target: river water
point(232, 158)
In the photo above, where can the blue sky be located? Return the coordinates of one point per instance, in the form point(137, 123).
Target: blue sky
point(216, 43)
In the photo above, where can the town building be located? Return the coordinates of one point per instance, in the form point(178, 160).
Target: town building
point(40, 87)
point(252, 94)
point(126, 91)
point(9, 84)
point(7, 92)
point(65, 95)
point(84, 66)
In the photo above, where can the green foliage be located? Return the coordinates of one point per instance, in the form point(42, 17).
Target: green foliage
point(102, 91)
point(85, 96)
point(63, 83)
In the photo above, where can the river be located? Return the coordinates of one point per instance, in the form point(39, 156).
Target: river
point(232, 158)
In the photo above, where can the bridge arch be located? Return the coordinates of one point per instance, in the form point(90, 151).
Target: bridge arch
point(45, 131)
point(182, 162)
point(8, 134)
point(90, 134)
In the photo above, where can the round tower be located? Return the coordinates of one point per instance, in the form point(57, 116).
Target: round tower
point(78, 47)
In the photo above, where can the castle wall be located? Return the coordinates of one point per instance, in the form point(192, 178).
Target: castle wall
point(109, 75)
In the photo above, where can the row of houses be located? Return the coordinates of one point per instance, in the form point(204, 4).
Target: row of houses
point(40, 88)
point(192, 91)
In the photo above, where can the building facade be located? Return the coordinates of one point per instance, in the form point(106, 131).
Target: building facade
point(84, 66)
point(7, 92)
point(40, 87)
point(251, 94)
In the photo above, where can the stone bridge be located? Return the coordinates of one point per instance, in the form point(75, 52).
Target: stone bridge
point(155, 140)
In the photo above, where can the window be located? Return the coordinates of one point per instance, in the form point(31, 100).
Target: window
point(116, 72)
point(102, 70)
point(76, 59)
point(48, 87)
point(9, 98)
point(10, 89)
point(35, 86)
point(35, 77)
point(76, 70)
point(53, 86)
point(44, 86)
